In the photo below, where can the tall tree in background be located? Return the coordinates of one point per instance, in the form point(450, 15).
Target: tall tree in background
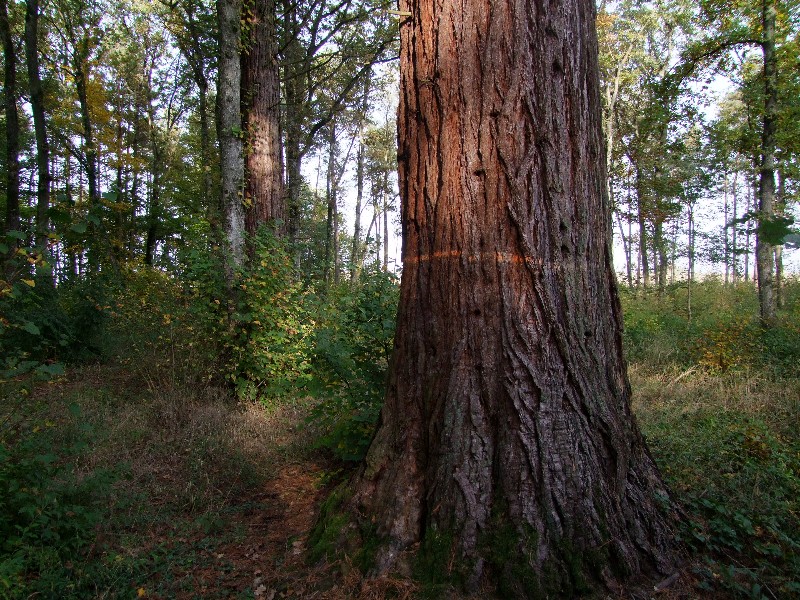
point(328, 48)
point(738, 26)
point(189, 22)
point(12, 120)
point(39, 125)
point(362, 120)
point(229, 125)
point(508, 407)
point(263, 191)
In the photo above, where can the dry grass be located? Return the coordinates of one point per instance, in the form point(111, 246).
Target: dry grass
point(680, 392)
point(729, 448)
point(195, 457)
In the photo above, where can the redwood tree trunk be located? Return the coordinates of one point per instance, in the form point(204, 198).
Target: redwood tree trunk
point(261, 120)
point(508, 407)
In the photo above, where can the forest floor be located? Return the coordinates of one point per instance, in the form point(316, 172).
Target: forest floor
point(203, 497)
point(206, 497)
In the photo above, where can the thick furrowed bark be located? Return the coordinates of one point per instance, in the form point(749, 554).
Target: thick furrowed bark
point(508, 399)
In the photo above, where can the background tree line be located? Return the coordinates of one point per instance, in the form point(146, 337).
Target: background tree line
point(134, 129)
point(696, 175)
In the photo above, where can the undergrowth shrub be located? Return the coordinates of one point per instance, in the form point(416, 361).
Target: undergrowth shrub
point(48, 515)
point(739, 481)
point(351, 360)
point(271, 331)
point(714, 326)
point(746, 344)
point(41, 325)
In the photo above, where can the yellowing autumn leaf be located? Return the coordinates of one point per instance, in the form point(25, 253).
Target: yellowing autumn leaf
point(29, 282)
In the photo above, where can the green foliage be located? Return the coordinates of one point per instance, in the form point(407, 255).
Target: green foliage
point(723, 332)
point(435, 566)
point(42, 326)
point(272, 328)
point(351, 361)
point(48, 515)
point(739, 481)
point(325, 536)
point(724, 431)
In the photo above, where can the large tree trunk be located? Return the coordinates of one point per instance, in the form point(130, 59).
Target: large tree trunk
point(12, 121)
point(507, 415)
point(766, 189)
point(261, 91)
point(40, 129)
point(229, 127)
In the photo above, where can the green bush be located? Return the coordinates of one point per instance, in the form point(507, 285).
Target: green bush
point(739, 482)
point(715, 326)
point(271, 331)
point(351, 361)
point(48, 515)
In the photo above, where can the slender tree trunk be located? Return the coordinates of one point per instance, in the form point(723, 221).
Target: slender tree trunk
point(735, 227)
point(377, 214)
point(264, 196)
point(507, 415)
point(374, 223)
point(294, 98)
point(205, 147)
point(40, 129)
point(726, 245)
point(629, 255)
point(229, 128)
point(660, 254)
point(386, 221)
point(80, 66)
point(781, 210)
point(640, 195)
point(330, 197)
point(119, 236)
point(194, 53)
point(355, 253)
point(12, 222)
point(750, 201)
point(691, 243)
point(154, 206)
point(136, 177)
point(72, 258)
point(625, 247)
point(766, 189)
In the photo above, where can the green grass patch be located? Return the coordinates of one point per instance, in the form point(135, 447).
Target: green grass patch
point(720, 413)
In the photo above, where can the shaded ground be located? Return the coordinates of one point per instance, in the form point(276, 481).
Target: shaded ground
point(215, 499)
point(212, 498)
